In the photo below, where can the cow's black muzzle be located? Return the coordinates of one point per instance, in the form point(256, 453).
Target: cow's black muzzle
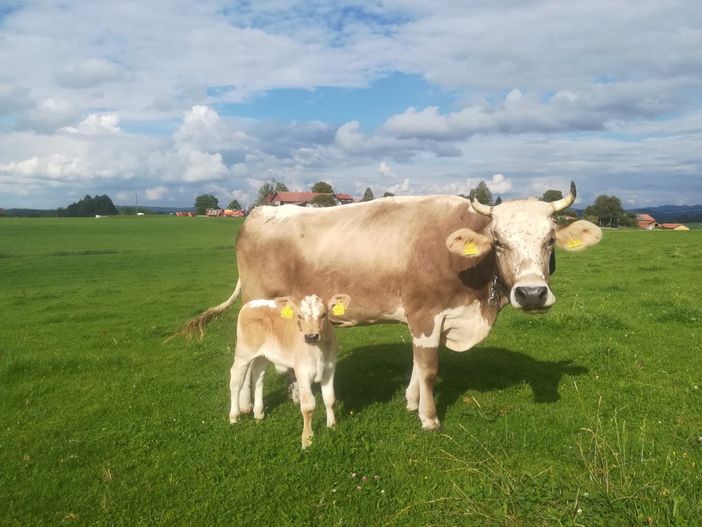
point(529, 297)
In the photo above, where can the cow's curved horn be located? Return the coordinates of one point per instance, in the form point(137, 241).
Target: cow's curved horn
point(567, 201)
point(485, 210)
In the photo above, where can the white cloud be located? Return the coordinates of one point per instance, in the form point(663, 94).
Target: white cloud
point(88, 73)
point(156, 193)
point(96, 124)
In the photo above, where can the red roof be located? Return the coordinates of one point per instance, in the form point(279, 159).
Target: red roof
point(670, 225)
point(645, 217)
point(298, 198)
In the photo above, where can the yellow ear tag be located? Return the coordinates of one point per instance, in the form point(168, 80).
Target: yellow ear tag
point(470, 249)
point(338, 310)
point(287, 312)
point(574, 242)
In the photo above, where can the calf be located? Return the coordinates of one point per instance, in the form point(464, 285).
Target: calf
point(290, 335)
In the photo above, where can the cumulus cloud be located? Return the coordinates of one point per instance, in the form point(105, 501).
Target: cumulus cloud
point(96, 124)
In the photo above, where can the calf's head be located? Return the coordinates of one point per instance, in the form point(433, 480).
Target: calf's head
point(311, 313)
point(523, 235)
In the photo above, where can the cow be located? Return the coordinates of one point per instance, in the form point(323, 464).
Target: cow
point(443, 265)
point(291, 336)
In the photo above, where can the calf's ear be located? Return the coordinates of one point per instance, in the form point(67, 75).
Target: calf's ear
point(469, 244)
point(287, 306)
point(578, 235)
point(338, 305)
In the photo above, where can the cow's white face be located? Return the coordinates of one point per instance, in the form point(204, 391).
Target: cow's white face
point(523, 236)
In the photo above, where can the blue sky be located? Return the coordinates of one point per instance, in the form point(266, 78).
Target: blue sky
point(172, 98)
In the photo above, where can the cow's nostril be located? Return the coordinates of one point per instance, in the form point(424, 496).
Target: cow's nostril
point(531, 297)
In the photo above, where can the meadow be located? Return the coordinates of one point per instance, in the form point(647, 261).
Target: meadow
point(588, 415)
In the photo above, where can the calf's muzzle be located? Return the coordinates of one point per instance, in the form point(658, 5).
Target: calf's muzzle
point(312, 338)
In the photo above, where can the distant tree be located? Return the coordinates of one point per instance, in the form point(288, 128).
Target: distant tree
point(89, 206)
point(482, 193)
point(322, 187)
point(388, 194)
point(552, 195)
point(608, 212)
point(368, 195)
point(324, 200)
point(204, 202)
point(234, 205)
point(268, 188)
point(498, 200)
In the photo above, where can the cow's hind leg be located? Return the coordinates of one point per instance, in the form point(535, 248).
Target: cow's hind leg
point(412, 391)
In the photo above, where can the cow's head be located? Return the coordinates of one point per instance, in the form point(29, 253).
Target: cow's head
point(523, 235)
point(310, 313)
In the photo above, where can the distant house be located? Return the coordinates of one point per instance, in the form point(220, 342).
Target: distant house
point(674, 227)
point(646, 221)
point(302, 199)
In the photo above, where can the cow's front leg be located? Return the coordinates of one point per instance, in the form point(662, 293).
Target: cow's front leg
point(426, 364)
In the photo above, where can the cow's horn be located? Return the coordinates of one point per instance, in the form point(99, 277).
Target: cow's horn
point(566, 202)
point(485, 210)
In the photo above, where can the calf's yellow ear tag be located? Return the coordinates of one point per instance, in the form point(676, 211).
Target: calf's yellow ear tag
point(470, 249)
point(338, 310)
point(287, 312)
point(574, 243)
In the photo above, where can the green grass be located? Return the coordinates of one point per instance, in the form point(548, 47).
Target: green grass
point(589, 415)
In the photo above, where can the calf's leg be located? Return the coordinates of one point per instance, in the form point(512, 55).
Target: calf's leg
point(258, 371)
point(306, 405)
point(237, 376)
point(328, 394)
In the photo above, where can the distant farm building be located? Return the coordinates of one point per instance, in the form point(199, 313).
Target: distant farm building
point(302, 199)
point(191, 214)
point(646, 221)
point(227, 213)
point(674, 227)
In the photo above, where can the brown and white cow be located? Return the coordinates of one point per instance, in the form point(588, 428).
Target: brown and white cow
point(291, 335)
point(443, 265)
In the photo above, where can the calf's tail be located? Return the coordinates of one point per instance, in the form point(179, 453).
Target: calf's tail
point(199, 322)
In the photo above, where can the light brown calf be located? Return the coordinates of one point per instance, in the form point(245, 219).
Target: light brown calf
point(291, 336)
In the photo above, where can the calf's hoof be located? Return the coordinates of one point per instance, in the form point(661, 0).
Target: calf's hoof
point(259, 415)
point(233, 418)
point(430, 423)
point(306, 441)
point(412, 406)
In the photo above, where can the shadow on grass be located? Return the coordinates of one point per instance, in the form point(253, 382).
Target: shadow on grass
point(373, 374)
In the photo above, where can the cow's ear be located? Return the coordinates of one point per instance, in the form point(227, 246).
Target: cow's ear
point(578, 235)
point(339, 304)
point(468, 244)
point(287, 306)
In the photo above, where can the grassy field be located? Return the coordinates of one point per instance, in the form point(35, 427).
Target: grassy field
point(590, 415)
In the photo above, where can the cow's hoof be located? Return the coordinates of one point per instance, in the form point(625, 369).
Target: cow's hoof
point(306, 441)
point(432, 423)
point(259, 415)
point(412, 406)
point(246, 409)
point(233, 418)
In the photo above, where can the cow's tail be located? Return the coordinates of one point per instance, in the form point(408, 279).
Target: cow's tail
point(199, 322)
